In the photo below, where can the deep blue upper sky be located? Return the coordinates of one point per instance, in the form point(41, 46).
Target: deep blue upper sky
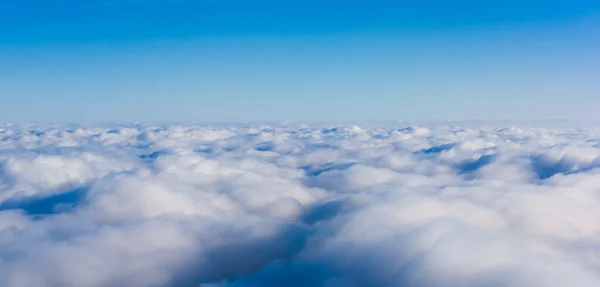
point(191, 60)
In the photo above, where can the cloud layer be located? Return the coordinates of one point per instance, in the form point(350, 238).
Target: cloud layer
point(284, 205)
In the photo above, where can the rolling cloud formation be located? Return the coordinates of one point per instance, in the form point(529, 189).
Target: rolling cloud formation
point(292, 205)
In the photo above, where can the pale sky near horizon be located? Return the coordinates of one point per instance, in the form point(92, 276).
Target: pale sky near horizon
point(101, 60)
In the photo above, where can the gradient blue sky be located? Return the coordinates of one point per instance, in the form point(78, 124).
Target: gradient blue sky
point(226, 60)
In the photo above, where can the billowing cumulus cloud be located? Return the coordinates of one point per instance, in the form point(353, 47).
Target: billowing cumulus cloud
point(283, 205)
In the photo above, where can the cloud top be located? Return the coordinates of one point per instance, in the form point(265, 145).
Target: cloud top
point(284, 205)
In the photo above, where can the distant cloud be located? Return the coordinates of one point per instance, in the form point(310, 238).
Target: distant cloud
point(342, 205)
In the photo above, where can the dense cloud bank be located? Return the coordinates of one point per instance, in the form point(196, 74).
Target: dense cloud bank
point(299, 206)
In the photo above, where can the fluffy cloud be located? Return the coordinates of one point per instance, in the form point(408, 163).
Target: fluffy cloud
point(375, 205)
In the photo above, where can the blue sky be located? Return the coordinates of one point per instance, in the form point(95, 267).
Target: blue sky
point(211, 61)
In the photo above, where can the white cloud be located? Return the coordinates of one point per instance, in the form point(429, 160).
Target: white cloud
point(339, 205)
